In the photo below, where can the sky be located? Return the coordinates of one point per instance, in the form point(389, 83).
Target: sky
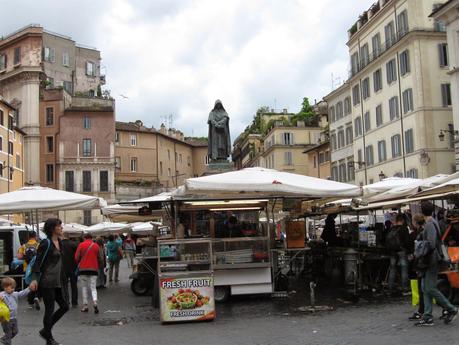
point(176, 57)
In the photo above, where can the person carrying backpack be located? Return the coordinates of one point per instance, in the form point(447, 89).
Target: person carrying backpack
point(397, 242)
point(27, 252)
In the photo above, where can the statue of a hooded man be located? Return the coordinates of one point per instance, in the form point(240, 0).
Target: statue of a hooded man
point(219, 135)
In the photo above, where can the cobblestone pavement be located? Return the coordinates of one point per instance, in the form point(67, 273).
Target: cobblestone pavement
point(127, 319)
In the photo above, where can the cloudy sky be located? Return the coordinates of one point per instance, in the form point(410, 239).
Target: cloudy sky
point(178, 56)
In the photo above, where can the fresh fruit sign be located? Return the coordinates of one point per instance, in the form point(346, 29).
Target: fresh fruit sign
point(187, 299)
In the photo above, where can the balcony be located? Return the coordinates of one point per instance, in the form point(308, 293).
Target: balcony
point(79, 103)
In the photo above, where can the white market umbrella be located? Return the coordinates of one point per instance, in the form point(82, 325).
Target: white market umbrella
point(144, 228)
point(386, 184)
point(161, 197)
point(74, 228)
point(107, 228)
point(448, 187)
point(42, 198)
point(267, 182)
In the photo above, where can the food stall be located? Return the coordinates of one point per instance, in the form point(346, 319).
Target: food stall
point(186, 278)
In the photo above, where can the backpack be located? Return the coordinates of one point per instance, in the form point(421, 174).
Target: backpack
point(393, 240)
point(29, 271)
point(29, 252)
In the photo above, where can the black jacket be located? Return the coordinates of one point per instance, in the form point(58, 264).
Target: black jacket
point(48, 269)
point(69, 248)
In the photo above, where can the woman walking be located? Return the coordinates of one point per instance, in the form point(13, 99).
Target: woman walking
point(49, 277)
point(114, 255)
point(101, 277)
point(130, 249)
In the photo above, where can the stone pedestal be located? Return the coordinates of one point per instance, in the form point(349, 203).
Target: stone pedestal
point(218, 167)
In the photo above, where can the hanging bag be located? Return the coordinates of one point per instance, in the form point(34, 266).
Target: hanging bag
point(29, 271)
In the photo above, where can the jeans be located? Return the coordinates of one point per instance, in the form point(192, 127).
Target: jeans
point(88, 283)
point(130, 254)
point(10, 328)
point(113, 265)
point(101, 278)
point(73, 279)
point(403, 261)
point(429, 286)
point(421, 297)
point(50, 297)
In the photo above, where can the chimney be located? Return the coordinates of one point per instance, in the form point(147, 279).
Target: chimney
point(163, 129)
point(139, 123)
point(284, 110)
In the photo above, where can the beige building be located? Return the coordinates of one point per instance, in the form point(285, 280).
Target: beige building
point(33, 59)
point(400, 93)
point(318, 158)
point(11, 150)
point(448, 15)
point(149, 161)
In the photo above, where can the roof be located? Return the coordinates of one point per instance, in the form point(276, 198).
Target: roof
point(9, 105)
point(309, 149)
point(440, 7)
point(133, 127)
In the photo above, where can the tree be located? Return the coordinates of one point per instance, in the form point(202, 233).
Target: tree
point(306, 108)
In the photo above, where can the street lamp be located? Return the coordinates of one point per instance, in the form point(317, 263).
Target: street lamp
point(381, 176)
point(441, 136)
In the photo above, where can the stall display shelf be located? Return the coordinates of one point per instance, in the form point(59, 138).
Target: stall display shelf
point(245, 265)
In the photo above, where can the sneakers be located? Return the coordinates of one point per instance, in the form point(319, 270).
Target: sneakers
point(36, 303)
point(415, 317)
point(450, 316)
point(85, 309)
point(424, 322)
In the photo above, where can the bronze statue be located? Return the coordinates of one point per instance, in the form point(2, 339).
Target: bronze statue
point(219, 135)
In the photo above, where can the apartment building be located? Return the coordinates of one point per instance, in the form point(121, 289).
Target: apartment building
point(11, 152)
point(33, 59)
point(77, 148)
point(448, 15)
point(149, 161)
point(341, 134)
point(400, 92)
point(318, 159)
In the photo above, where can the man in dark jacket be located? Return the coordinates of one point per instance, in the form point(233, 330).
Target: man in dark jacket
point(400, 254)
point(431, 234)
point(69, 247)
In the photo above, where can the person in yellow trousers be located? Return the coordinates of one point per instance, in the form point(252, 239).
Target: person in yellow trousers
point(26, 252)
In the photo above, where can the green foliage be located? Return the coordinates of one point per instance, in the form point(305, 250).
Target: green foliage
point(306, 114)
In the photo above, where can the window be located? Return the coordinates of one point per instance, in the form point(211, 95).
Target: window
point(402, 23)
point(65, 59)
point(287, 138)
point(161, 168)
point(3, 62)
point(333, 141)
point(366, 88)
point(2, 120)
point(70, 181)
point(369, 155)
point(169, 154)
point(1, 169)
point(1, 144)
point(321, 158)
point(355, 95)
point(17, 56)
point(409, 141)
point(10, 122)
point(334, 173)
point(393, 108)
point(382, 151)
point(376, 45)
point(18, 161)
point(49, 144)
point(389, 34)
point(332, 114)
point(49, 83)
point(339, 110)
point(443, 53)
point(169, 172)
point(49, 54)
point(87, 219)
point(86, 122)
point(439, 26)
point(405, 62)
point(366, 121)
point(49, 173)
point(49, 116)
point(180, 158)
point(364, 55)
point(92, 93)
point(90, 68)
point(446, 94)
point(412, 173)
point(451, 136)
point(10, 147)
point(315, 161)
point(342, 171)
point(355, 63)
point(87, 147)
point(348, 135)
point(350, 170)
point(118, 162)
point(133, 139)
point(87, 181)
point(103, 181)
point(358, 126)
point(288, 158)
point(68, 86)
point(377, 80)
point(341, 138)
point(347, 106)
point(133, 164)
point(188, 161)
point(391, 71)
point(396, 146)
point(359, 156)
point(379, 116)
point(117, 137)
point(407, 96)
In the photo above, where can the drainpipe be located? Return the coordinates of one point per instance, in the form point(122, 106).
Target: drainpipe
point(363, 123)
